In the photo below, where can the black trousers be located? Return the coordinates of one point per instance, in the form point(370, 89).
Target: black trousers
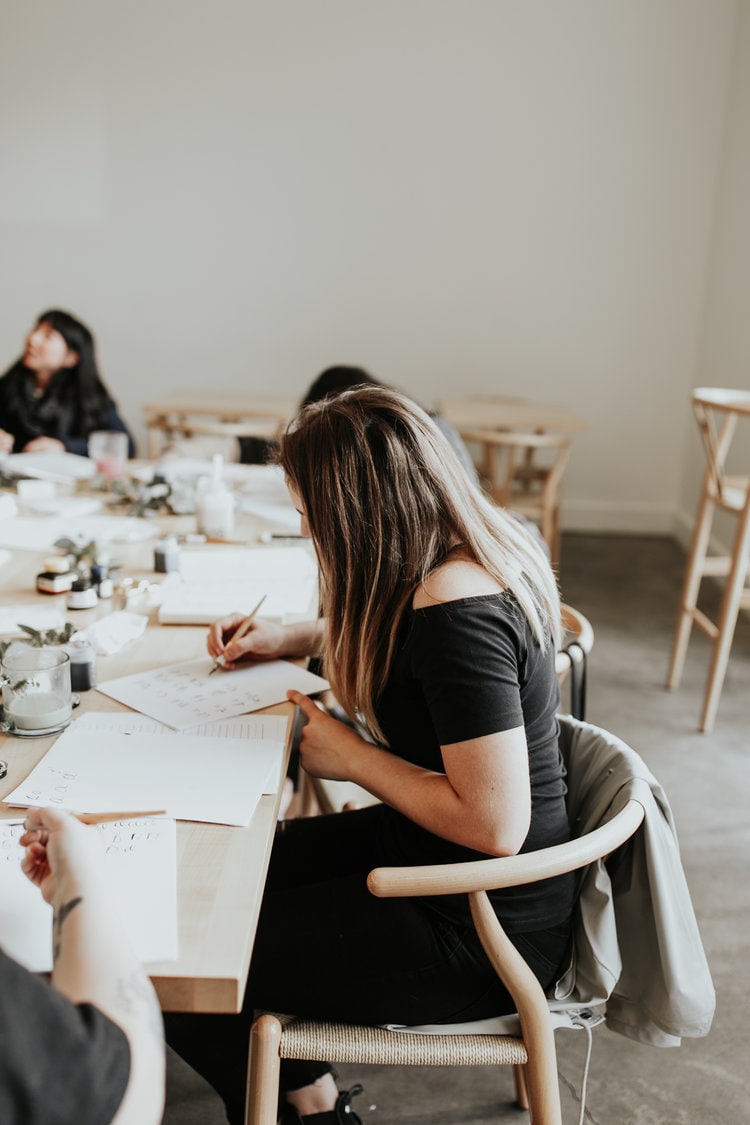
point(327, 948)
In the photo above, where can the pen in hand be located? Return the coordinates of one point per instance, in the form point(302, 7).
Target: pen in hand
point(238, 634)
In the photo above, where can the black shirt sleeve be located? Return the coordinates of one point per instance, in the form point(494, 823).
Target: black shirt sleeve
point(60, 1063)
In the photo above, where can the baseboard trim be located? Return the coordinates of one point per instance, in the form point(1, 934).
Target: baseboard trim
point(634, 519)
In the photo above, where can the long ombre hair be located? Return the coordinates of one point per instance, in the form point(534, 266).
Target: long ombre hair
point(386, 498)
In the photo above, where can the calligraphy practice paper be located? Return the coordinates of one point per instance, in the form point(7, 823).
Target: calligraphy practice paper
point(192, 777)
point(183, 695)
point(140, 867)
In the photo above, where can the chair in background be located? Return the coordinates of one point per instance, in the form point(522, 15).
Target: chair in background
point(571, 659)
point(524, 472)
point(717, 412)
point(610, 792)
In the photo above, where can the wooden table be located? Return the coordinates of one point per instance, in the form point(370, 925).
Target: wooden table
point(188, 413)
point(220, 870)
point(493, 412)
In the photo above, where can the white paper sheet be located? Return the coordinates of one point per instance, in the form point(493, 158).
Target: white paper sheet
point(268, 727)
point(192, 777)
point(111, 633)
point(50, 465)
point(192, 468)
point(40, 533)
point(182, 695)
point(216, 581)
point(35, 615)
point(139, 861)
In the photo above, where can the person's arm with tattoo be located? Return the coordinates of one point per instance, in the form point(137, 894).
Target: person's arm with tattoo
point(92, 959)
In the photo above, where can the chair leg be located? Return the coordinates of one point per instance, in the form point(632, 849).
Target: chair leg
point(730, 607)
point(522, 1091)
point(690, 587)
point(261, 1107)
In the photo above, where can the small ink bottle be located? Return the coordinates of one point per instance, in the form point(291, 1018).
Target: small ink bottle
point(82, 664)
point(166, 555)
point(82, 595)
point(101, 580)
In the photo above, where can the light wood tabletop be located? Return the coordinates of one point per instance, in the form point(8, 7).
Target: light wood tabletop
point(220, 870)
point(494, 412)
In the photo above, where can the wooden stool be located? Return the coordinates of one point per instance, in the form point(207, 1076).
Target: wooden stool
point(717, 411)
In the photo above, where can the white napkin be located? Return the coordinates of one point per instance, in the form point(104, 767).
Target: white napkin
point(111, 633)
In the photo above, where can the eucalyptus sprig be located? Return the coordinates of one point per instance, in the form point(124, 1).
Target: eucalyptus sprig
point(142, 498)
point(85, 555)
point(40, 637)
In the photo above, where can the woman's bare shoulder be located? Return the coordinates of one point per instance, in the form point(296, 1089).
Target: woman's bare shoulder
point(456, 578)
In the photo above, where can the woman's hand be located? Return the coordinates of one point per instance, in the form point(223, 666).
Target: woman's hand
point(327, 747)
point(264, 640)
point(44, 445)
point(61, 854)
point(6, 441)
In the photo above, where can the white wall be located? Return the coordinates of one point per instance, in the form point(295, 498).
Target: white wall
point(724, 353)
point(484, 195)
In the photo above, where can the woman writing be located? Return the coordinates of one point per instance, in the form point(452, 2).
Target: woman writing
point(440, 621)
point(53, 397)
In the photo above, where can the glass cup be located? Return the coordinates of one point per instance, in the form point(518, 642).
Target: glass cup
point(36, 689)
point(108, 449)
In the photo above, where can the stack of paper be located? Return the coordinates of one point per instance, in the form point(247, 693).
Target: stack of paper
point(104, 767)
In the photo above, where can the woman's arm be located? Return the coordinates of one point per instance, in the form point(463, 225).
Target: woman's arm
point(482, 801)
point(92, 959)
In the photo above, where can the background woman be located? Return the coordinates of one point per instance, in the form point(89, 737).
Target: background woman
point(440, 621)
point(53, 396)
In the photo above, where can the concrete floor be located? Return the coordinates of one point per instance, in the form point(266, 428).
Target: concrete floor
point(628, 587)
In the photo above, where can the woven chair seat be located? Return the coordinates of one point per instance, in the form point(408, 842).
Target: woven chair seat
point(347, 1043)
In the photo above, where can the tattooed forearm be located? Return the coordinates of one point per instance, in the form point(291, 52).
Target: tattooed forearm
point(60, 914)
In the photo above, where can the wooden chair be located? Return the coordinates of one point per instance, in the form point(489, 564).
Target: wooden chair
point(572, 657)
point(717, 412)
point(532, 1053)
point(524, 472)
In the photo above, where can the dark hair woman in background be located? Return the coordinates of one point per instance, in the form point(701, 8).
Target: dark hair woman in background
point(53, 396)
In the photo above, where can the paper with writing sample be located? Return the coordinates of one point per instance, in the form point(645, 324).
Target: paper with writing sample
point(214, 581)
point(140, 866)
point(192, 777)
point(183, 695)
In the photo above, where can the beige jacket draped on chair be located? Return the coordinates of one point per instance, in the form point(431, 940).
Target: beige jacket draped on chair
point(638, 946)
